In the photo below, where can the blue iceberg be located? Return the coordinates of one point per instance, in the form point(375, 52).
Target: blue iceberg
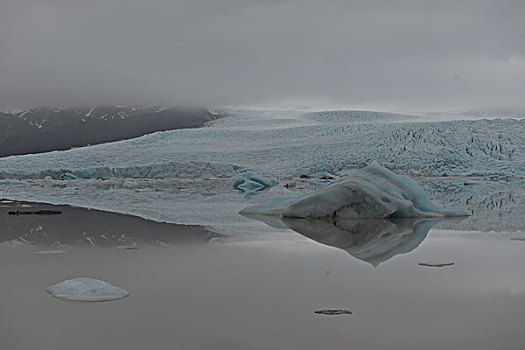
point(254, 182)
point(373, 192)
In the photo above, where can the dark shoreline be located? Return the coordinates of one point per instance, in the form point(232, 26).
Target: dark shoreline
point(90, 227)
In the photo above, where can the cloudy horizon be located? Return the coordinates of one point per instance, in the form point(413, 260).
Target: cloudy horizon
point(388, 54)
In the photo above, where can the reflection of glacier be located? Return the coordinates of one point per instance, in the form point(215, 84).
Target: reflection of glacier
point(373, 241)
point(81, 227)
point(186, 176)
point(493, 205)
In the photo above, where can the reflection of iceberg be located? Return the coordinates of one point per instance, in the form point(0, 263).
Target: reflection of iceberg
point(373, 192)
point(373, 241)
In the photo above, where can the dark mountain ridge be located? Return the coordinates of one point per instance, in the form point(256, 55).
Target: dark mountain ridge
point(45, 129)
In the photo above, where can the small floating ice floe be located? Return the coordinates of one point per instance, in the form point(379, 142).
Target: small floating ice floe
point(323, 175)
point(86, 289)
point(254, 182)
point(46, 252)
point(434, 264)
point(67, 176)
point(373, 192)
point(128, 247)
point(522, 239)
point(335, 312)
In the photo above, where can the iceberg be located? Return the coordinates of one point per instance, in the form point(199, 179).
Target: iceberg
point(247, 185)
point(254, 182)
point(267, 182)
point(86, 289)
point(373, 192)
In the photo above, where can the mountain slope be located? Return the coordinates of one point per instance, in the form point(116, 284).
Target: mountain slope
point(46, 129)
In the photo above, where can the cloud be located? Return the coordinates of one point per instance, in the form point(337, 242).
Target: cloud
point(215, 52)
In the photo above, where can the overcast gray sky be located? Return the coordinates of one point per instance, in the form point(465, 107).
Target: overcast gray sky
point(399, 54)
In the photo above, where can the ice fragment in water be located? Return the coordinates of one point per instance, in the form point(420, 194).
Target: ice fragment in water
point(435, 264)
point(333, 312)
point(46, 252)
point(67, 176)
point(247, 185)
point(322, 176)
point(86, 289)
point(254, 182)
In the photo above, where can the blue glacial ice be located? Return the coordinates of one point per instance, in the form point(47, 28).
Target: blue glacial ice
point(247, 185)
point(254, 182)
point(370, 193)
point(86, 289)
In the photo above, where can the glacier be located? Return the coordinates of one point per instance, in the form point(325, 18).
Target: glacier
point(310, 145)
point(185, 176)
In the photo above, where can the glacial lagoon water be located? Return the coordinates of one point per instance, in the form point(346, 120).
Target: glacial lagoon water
point(263, 294)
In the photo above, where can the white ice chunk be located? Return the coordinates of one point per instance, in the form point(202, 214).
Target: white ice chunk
point(86, 289)
point(88, 114)
point(372, 192)
point(50, 252)
point(323, 175)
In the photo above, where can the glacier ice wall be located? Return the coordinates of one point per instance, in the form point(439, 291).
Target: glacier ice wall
point(482, 147)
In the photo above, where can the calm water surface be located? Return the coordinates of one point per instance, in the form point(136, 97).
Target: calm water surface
point(262, 293)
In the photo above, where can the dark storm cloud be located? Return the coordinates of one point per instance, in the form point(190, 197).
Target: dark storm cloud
point(383, 53)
